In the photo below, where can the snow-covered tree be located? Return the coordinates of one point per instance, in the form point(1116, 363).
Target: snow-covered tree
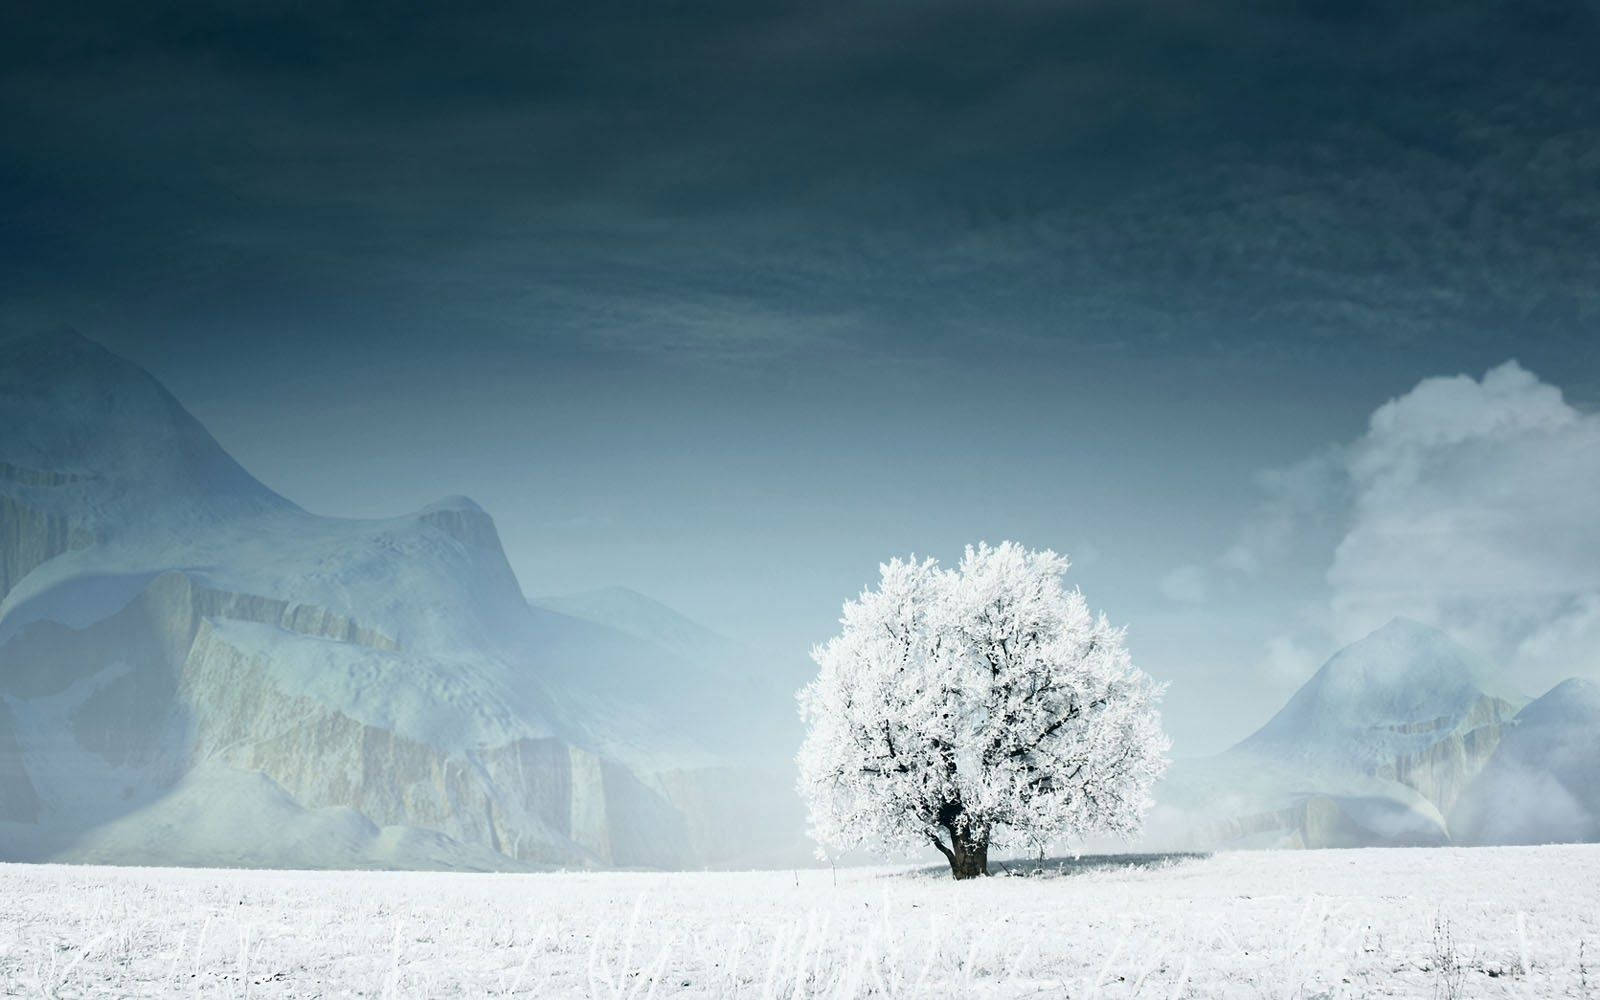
point(977, 706)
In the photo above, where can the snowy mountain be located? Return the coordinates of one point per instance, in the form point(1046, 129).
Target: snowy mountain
point(1542, 784)
point(1376, 748)
point(173, 633)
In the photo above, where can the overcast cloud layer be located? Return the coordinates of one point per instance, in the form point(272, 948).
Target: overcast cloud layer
point(757, 179)
point(727, 301)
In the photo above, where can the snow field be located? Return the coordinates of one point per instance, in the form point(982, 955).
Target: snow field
point(1448, 922)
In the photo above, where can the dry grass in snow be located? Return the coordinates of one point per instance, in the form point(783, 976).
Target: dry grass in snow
point(1487, 922)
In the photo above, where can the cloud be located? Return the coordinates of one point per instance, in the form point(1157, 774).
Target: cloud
point(1468, 503)
point(762, 180)
point(1300, 510)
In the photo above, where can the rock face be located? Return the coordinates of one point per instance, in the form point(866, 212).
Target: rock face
point(1376, 748)
point(31, 536)
point(173, 633)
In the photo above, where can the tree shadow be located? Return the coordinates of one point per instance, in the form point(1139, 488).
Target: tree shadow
point(1067, 866)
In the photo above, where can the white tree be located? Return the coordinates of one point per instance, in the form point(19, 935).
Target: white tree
point(978, 706)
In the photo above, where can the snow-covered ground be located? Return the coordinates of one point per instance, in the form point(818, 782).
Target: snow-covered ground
point(1483, 922)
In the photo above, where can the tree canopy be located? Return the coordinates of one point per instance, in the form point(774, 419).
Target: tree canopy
point(976, 706)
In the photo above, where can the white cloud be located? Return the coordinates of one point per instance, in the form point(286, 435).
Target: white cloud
point(1471, 504)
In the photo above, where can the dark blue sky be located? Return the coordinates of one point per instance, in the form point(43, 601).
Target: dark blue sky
point(727, 301)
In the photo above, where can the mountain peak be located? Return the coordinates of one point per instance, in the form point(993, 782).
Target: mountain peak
point(462, 519)
point(1399, 676)
point(1573, 701)
point(1400, 648)
point(36, 361)
point(1408, 628)
point(1575, 689)
point(453, 503)
point(71, 406)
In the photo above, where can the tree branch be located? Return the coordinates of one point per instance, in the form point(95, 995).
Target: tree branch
point(1073, 713)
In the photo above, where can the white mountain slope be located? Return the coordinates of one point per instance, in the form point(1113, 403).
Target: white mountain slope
point(169, 624)
point(1375, 748)
point(1543, 783)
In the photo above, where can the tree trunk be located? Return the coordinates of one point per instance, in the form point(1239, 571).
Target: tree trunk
point(968, 855)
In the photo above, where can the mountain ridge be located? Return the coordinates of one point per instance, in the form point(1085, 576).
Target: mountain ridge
point(389, 666)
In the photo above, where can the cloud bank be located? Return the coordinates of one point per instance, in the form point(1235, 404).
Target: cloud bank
point(1469, 504)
